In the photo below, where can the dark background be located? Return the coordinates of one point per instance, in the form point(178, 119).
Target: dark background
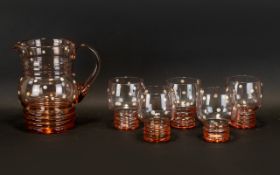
point(154, 40)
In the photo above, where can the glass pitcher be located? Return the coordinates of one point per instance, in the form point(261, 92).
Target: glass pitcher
point(47, 90)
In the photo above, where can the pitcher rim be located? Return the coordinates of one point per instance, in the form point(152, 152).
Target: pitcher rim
point(26, 43)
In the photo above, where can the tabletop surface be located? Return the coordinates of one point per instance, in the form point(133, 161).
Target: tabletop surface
point(95, 147)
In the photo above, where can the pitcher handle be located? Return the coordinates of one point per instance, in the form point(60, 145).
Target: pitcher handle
point(83, 88)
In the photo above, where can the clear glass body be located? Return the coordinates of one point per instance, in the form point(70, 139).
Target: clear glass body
point(124, 97)
point(246, 98)
point(47, 90)
point(156, 111)
point(214, 112)
point(184, 92)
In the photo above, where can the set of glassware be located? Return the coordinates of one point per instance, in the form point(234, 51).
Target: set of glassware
point(49, 92)
point(180, 102)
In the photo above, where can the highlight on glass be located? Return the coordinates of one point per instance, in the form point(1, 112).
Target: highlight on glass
point(214, 112)
point(47, 89)
point(124, 98)
point(184, 92)
point(246, 97)
point(156, 114)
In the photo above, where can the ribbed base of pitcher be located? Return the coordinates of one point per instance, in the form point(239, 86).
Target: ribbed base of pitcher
point(216, 131)
point(157, 130)
point(184, 119)
point(244, 120)
point(46, 121)
point(126, 120)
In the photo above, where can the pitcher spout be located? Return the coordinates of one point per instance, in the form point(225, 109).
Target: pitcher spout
point(19, 47)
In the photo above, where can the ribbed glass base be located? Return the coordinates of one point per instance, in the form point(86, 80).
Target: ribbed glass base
point(126, 120)
point(184, 118)
point(245, 119)
point(216, 131)
point(157, 130)
point(49, 118)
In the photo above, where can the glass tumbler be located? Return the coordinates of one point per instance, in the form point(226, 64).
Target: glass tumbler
point(124, 97)
point(246, 97)
point(214, 111)
point(156, 114)
point(184, 92)
point(48, 90)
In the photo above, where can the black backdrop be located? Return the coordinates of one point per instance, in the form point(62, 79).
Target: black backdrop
point(154, 40)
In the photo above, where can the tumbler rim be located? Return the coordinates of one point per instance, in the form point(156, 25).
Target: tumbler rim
point(190, 80)
point(243, 78)
point(137, 80)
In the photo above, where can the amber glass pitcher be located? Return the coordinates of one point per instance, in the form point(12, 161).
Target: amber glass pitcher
point(47, 90)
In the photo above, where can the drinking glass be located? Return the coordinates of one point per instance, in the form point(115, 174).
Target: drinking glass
point(246, 97)
point(156, 114)
point(184, 92)
point(124, 97)
point(214, 111)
